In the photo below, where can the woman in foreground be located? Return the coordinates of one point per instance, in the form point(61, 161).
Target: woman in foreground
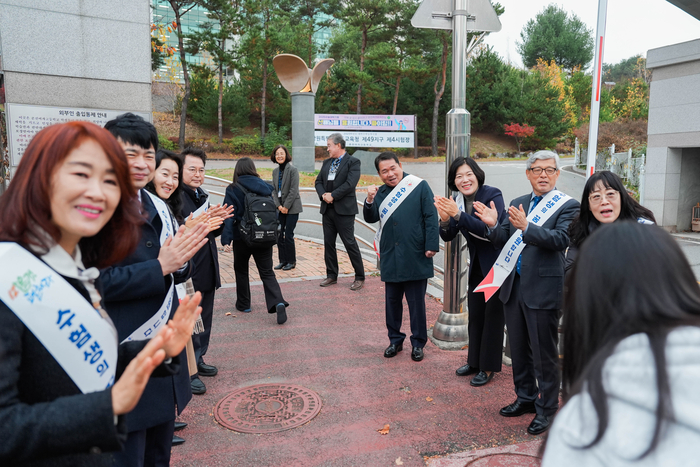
point(631, 366)
point(65, 382)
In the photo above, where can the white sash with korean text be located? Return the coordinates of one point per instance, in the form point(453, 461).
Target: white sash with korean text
point(154, 323)
point(66, 324)
point(504, 265)
point(459, 200)
point(392, 201)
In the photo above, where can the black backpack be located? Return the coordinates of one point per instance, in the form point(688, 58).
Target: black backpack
point(258, 226)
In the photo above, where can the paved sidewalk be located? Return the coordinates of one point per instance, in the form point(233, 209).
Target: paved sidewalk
point(332, 344)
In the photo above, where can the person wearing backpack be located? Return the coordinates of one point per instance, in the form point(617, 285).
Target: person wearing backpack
point(253, 230)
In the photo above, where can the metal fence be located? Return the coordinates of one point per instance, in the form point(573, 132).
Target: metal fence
point(630, 169)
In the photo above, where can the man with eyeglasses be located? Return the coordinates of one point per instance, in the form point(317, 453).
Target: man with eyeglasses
point(205, 276)
point(529, 275)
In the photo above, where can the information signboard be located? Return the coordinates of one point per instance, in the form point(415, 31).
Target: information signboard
point(354, 122)
point(369, 139)
point(24, 121)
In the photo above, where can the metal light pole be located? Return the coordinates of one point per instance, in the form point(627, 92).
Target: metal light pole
point(460, 16)
point(597, 83)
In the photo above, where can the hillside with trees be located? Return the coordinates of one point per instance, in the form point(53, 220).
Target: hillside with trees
point(385, 66)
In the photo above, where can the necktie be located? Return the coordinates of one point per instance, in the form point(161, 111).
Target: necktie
point(535, 200)
point(334, 165)
point(196, 195)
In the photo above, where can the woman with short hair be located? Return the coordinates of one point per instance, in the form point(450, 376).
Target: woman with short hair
point(71, 208)
point(486, 319)
point(631, 367)
point(285, 177)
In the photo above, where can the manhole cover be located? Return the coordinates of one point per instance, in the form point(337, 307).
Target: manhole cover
point(267, 408)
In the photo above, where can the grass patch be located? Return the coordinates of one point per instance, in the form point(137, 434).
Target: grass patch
point(306, 179)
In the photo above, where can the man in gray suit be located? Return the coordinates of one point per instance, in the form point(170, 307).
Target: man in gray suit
point(532, 291)
point(335, 185)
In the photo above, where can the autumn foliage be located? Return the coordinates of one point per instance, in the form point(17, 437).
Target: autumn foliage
point(518, 131)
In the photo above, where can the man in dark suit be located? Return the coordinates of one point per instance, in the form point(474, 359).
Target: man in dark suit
point(532, 292)
point(335, 186)
point(408, 240)
point(205, 276)
point(137, 288)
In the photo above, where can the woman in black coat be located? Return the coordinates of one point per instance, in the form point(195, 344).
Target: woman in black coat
point(245, 175)
point(288, 202)
point(486, 319)
point(71, 205)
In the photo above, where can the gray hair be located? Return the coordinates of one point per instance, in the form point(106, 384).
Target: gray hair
point(543, 155)
point(337, 138)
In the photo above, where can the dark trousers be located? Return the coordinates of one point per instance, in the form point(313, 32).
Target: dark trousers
point(263, 261)
point(335, 224)
point(201, 341)
point(285, 243)
point(486, 320)
point(533, 345)
point(415, 297)
point(147, 448)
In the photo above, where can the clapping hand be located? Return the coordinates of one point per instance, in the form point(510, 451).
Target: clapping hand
point(488, 216)
point(446, 207)
point(182, 324)
point(192, 221)
point(180, 248)
point(223, 212)
point(518, 217)
point(127, 391)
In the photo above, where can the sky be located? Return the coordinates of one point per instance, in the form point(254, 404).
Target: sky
point(633, 26)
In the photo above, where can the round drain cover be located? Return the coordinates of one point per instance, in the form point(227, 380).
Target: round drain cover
point(267, 408)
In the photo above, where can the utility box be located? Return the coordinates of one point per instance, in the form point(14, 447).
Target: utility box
point(695, 218)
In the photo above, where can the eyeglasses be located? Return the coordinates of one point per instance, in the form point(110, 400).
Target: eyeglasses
point(537, 171)
point(610, 195)
point(194, 170)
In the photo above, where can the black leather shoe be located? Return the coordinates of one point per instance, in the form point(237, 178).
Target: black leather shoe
point(279, 266)
point(289, 266)
point(197, 386)
point(328, 282)
point(392, 350)
point(206, 370)
point(466, 370)
point(539, 424)
point(417, 354)
point(180, 425)
point(177, 440)
point(482, 378)
point(281, 313)
point(517, 409)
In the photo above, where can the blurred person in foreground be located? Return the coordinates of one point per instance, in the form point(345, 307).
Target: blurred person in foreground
point(486, 319)
point(406, 241)
point(604, 201)
point(631, 354)
point(69, 210)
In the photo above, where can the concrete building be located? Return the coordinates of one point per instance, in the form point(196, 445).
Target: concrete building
point(73, 59)
point(672, 184)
